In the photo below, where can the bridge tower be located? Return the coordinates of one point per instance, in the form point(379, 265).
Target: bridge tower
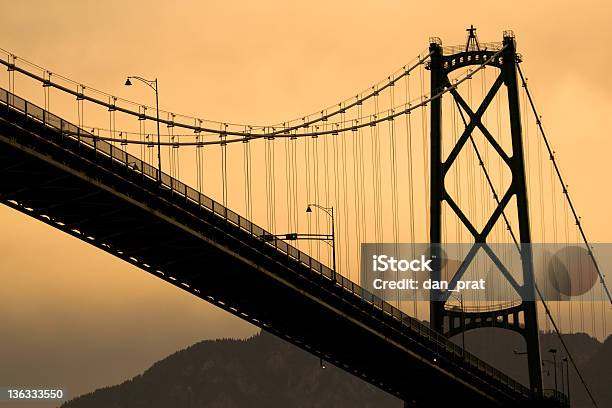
point(522, 317)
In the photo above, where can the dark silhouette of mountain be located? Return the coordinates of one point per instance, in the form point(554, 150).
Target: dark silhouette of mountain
point(264, 371)
point(598, 374)
point(594, 360)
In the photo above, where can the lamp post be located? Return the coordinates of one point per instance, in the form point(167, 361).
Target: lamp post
point(562, 378)
point(565, 360)
point(329, 211)
point(460, 299)
point(553, 351)
point(292, 236)
point(153, 85)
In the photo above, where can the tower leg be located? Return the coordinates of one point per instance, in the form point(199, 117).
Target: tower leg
point(531, 333)
point(436, 307)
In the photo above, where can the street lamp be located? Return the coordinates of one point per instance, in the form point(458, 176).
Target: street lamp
point(329, 211)
point(553, 362)
point(293, 236)
point(153, 85)
point(460, 299)
point(553, 351)
point(565, 360)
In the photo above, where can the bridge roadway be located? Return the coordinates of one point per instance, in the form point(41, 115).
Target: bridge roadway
point(109, 199)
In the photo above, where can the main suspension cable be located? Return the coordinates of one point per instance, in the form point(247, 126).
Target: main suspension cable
point(563, 185)
point(372, 120)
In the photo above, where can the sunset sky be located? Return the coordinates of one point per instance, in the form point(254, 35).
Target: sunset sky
point(76, 317)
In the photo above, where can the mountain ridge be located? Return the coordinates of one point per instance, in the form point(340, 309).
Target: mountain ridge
point(265, 371)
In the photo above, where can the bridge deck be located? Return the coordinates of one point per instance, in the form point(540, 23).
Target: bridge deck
point(108, 198)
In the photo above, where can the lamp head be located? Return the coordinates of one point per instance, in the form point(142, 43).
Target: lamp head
point(128, 82)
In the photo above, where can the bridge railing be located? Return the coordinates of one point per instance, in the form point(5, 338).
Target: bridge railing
point(88, 140)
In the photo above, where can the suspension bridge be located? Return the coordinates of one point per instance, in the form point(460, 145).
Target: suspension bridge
point(450, 148)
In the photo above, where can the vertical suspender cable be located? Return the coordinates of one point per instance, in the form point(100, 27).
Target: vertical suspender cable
point(347, 236)
point(315, 159)
point(410, 168)
point(425, 147)
point(288, 184)
point(307, 176)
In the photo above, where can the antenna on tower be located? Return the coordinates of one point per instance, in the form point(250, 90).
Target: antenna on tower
point(472, 41)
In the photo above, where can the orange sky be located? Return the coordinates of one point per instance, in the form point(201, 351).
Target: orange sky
point(259, 62)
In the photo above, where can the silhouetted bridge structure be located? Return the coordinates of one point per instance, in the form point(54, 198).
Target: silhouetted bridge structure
point(83, 184)
point(110, 199)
